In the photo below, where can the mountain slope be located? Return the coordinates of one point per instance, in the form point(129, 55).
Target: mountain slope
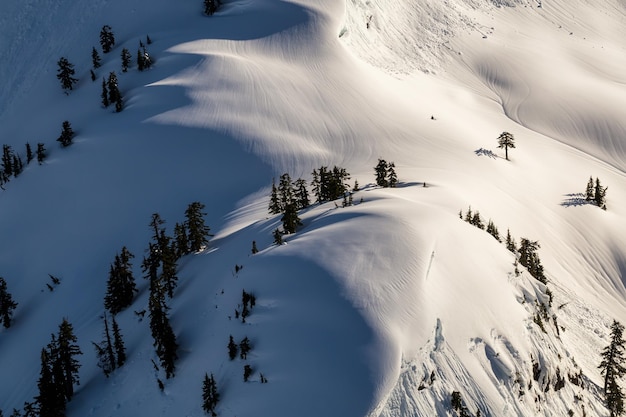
point(363, 304)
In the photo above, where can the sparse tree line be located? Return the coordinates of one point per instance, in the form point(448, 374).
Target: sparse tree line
point(289, 196)
point(111, 94)
point(59, 366)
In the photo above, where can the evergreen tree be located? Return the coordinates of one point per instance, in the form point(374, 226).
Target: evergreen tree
point(599, 195)
point(126, 57)
point(210, 6)
point(105, 94)
point(232, 348)
point(144, 61)
point(197, 230)
point(493, 230)
point(148, 40)
point(254, 248)
point(244, 348)
point(104, 351)
point(65, 74)
point(477, 221)
point(118, 344)
point(41, 153)
point(18, 165)
point(7, 305)
point(67, 134)
point(29, 153)
point(247, 372)
point(506, 141)
point(181, 240)
point(589, 192)
point(613, 367)
point(529, 258)
point(285, 191)
point(95, 58)
point(121, 287)
point(290, 219)
point(210, 396)
point(510, 242)
point(107, 39)
point(168, 278)
point(114, 92)
point(301, 194)
point(274, 206)
point(7, 160)
point(51, 399)
point(93, 75)
point(392, 178)
point(381, 173)
point(68, 350)
point(278, 237)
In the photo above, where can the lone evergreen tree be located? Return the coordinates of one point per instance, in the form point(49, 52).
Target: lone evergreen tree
point(613, 367)
point(67, 134)
point(41, 153)
point(114, 92)
point(210, 396)
point(65, 74)
point(232, 348)
point(210, 6)
point(197, 230)
point(107, 39)
point(278, 237)
point(7, 305)
point(126, 57)
point(29, 153)
point(95, 58)
point(254, 248)
point(506, 141)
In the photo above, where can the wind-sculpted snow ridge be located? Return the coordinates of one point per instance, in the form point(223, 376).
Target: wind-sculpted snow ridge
point(384, 307)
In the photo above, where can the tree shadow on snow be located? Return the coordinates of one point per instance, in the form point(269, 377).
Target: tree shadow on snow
point(486, 152)
point(575, 199)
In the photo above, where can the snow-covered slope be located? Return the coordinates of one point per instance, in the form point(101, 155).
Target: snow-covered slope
point(378, 309)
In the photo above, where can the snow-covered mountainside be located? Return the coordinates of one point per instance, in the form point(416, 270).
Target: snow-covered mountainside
point(381, 308)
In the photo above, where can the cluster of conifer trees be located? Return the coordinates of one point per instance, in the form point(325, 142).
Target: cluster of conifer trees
point(291, 196)
point(12, 163)
point(596, 193)
point(386, 174)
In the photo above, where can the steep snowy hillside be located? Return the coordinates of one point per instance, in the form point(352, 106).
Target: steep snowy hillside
point(381, 308)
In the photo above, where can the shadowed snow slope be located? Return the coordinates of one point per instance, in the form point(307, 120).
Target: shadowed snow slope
point(382, 308)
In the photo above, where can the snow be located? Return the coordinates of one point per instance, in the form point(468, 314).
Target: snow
point(363, 304)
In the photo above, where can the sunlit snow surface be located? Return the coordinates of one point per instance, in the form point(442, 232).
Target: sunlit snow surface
point(379, 309)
